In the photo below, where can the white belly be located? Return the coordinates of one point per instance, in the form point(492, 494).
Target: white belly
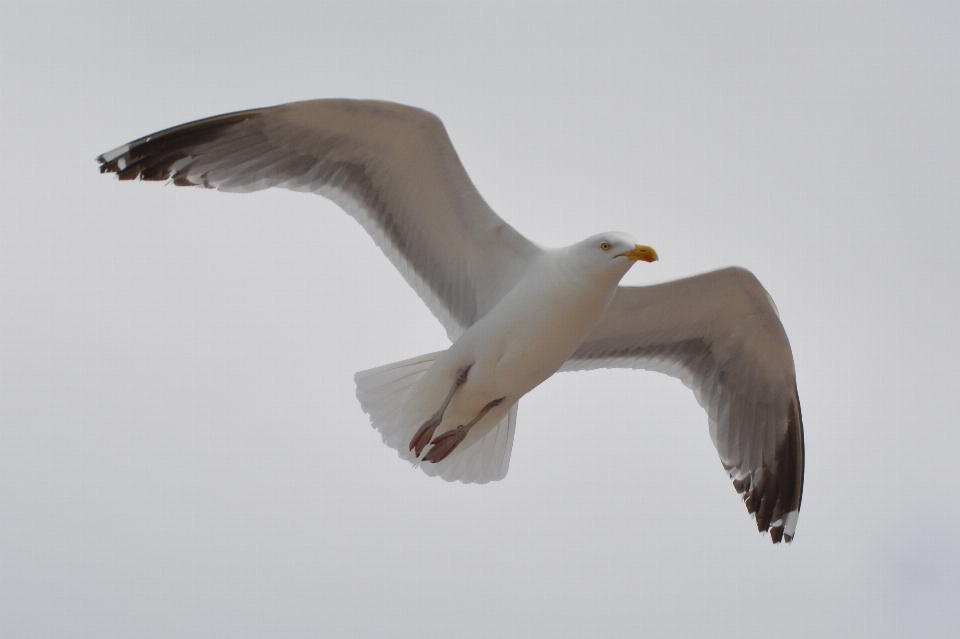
point(511, 350)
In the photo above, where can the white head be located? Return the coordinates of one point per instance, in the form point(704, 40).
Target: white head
point(610, 254)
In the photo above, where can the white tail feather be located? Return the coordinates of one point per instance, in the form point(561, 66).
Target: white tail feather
point(382, 392)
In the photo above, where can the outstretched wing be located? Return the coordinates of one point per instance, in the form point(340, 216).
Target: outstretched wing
point(392, 167)
point(721, 335)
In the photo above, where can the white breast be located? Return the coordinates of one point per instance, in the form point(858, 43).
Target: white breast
point(532, 331)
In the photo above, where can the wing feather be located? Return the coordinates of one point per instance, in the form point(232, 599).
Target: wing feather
point(392, 167)
point(721, 335)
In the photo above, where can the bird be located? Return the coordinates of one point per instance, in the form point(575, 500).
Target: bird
point(515, 312)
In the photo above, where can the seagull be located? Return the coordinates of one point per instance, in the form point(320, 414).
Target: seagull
point(514, 311)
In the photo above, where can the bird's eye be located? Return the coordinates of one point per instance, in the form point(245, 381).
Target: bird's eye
point(605, 246)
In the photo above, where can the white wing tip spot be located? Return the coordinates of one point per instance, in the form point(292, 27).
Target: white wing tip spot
point(110, 156)
point(790, 525)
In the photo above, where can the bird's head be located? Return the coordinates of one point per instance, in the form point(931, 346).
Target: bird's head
point(612, 253)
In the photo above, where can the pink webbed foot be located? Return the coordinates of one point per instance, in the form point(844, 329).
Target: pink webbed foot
point(444, 444)
point(423, 436)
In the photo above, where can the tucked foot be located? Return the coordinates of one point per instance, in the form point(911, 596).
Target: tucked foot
point(423, 436)
point(444, 444)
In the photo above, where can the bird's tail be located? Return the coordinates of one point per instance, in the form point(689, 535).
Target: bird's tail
point(383, 391)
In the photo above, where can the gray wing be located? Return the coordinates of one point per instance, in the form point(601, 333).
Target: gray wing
point(391, 167)
point(719, 333)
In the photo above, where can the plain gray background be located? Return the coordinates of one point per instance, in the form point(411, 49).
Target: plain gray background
point(181, 452)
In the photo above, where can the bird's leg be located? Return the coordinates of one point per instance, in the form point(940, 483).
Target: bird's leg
point(422, 438)
point(444, 444)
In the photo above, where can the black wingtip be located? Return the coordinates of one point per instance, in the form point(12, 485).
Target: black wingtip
point(108, 167)
point(151, 158)
point(775, 492)
point(776, 534)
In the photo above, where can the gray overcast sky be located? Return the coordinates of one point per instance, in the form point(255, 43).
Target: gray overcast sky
point(181, 451)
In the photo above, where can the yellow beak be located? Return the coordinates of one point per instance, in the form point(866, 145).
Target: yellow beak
point(642, 253)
